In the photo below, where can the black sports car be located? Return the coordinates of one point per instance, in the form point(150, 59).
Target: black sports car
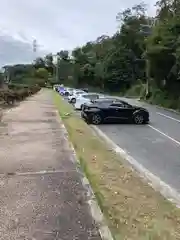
point(114, 111)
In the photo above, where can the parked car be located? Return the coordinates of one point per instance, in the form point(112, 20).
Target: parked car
point(61, 90)
point(74, 95)
point(116, 111)
point(56, 87)
point(68, 91)
point(85, 90)
point(85, 99)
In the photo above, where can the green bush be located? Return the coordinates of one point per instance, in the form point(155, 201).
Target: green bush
point(137, 90)
point(162, 98)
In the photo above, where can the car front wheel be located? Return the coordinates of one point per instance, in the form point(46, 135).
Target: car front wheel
point(138, 119)
point(96, 119)
point(73, 100)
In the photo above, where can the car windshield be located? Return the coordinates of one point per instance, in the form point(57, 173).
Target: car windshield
point(105, 100)
point(125, 104)
point(121, 104)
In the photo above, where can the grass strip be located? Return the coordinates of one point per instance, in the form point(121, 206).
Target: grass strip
point(133, 210)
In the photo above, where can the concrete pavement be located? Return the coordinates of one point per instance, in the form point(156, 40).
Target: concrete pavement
point(156, 146)
point(41, 193)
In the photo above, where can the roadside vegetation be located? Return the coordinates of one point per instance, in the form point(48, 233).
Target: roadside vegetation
point(13, 94)
point(133, 210)
point(17, 82)
point(16, 93)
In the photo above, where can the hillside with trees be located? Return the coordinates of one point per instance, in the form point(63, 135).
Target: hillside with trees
point(142, 58)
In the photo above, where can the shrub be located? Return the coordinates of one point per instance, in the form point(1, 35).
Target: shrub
point(9, 96)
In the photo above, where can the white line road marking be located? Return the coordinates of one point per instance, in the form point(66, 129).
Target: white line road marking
point(164, 134)
point(164, 115)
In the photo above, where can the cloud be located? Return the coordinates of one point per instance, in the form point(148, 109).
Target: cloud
point(13, 51)
point(60, 24)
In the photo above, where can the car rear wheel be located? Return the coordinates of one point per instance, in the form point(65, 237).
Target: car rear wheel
point(73, 100)
point(138, 119)
point(96, 119)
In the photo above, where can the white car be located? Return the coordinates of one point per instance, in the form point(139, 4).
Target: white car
point(85, 99)
point(72, 98)
point(68, 91)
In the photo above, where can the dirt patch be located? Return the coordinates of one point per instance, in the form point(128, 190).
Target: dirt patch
point(133, 210)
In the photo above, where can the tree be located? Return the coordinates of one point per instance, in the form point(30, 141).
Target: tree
point(49, 63)
point(63, 54)
point(109, 62)
point(64, 67)
point(116, 63)
point(39, 63)
point(42, 73)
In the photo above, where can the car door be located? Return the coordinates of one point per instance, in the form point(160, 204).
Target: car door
point(120, 111)
point(112, 112)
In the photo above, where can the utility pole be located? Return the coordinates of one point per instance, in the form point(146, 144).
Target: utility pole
point(57, 68)
point(147, 75)
point(35, 48)
point(146, 30)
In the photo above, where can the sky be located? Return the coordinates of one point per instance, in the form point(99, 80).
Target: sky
point(55, 24)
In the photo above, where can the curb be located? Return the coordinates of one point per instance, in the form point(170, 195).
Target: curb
point(155, 182)
point(95, 210)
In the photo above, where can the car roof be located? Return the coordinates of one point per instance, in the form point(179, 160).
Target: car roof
point(93, 93)
point(105, 99)
point(86, 95)
point(109, 101)
point(80, 91)
point(89, 93)
point(76, 90)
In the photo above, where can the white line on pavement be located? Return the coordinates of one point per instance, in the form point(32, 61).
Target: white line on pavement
point(164, 134)
point(164, 115)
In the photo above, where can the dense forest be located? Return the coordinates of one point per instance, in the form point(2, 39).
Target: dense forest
point(141, 59)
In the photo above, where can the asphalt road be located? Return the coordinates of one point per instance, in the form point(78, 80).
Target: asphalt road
point(156, 146)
